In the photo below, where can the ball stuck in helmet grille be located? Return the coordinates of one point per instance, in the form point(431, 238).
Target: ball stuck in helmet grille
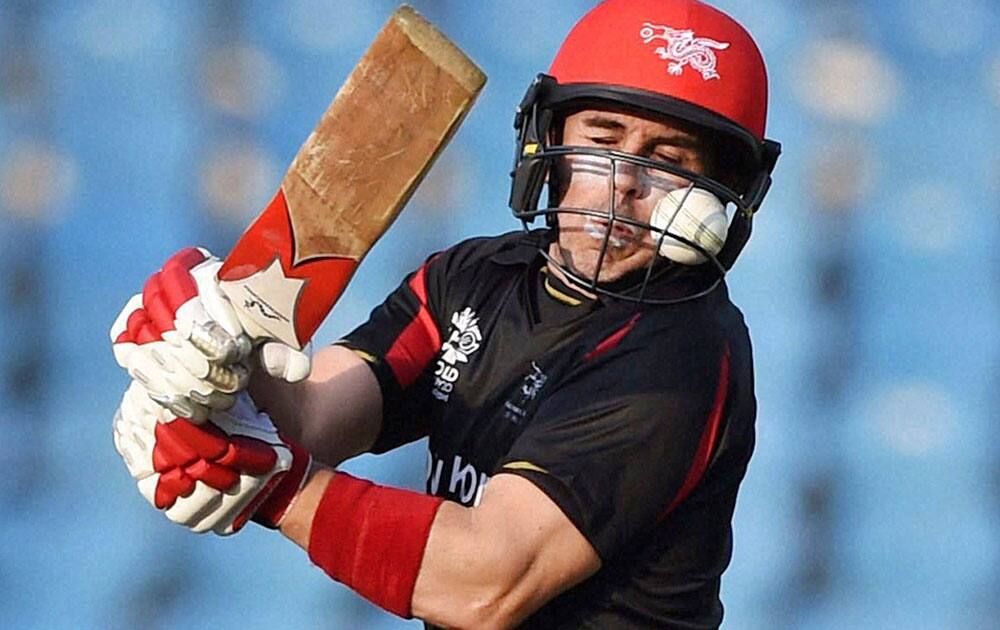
point(693, 214)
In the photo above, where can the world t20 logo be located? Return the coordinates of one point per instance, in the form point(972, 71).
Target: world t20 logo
point(464, 339)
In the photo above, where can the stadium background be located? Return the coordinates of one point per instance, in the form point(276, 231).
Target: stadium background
point(131, 128)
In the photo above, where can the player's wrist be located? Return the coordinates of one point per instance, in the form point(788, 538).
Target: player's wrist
point(296, 525)
point(277, 502)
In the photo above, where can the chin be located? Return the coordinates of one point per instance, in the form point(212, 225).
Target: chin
point(614, 273)
point(581, 252)
point(613, 267)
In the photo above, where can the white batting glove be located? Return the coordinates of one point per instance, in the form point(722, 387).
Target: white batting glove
point(182, 339)
point(285, 362)
point(212, 476)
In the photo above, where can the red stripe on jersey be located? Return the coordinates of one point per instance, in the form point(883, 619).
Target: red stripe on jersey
point(613, 339)
point(419, 341)
point(708, 438)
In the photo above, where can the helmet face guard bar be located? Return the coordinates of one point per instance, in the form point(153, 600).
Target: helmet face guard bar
point(718, 189)
point(542, 161)
point(533, 159)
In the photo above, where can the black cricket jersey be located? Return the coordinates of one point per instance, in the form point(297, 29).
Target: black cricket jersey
point(637, 420)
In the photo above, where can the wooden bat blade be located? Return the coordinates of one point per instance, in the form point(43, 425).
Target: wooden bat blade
point(350, 179)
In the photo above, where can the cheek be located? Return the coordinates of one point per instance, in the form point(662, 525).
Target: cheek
point(583, 179)
point(659, 183)
point(570, 224)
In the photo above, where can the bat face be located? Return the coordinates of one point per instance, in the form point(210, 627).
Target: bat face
point(350, 179)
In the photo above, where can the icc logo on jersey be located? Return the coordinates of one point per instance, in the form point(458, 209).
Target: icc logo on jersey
point(464, 339)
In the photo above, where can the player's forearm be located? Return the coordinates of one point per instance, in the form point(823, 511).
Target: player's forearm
point(476, 568)
point(461, 582)
point(335, 413)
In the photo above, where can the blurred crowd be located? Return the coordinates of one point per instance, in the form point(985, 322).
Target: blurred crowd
point(129, 129)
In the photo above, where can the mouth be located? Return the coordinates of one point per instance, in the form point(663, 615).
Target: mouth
point(622, 234)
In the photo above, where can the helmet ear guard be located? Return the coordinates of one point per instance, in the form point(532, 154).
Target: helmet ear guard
point(531, 125)
point(528, 179)
point(742, 223)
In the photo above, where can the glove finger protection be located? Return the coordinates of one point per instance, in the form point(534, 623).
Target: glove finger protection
point(211, 476)
point(284, 362)
point(182, 339)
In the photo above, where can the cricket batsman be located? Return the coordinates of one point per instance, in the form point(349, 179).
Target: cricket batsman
point(585, 383)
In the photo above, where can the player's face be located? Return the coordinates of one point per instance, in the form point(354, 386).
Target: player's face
point(590, 183)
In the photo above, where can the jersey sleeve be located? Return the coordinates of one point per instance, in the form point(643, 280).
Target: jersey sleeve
point(399, 342)
point(625, 439)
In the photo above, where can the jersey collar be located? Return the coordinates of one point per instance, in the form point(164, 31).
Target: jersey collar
point(670, 280)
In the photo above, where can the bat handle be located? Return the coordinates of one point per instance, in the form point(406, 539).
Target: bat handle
point(274, 297)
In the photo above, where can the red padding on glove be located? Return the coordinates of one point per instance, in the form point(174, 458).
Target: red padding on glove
point(166, 290)
point(372, 538)
point(185, 452)
point(185, 258)
point(137, 329)
point(172, 484)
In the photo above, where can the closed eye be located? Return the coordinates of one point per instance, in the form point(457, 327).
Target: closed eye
point(603, 141)
point(670, 159)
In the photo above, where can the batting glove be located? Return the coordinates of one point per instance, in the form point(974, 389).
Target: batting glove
point(212, 476)
point(182, 339)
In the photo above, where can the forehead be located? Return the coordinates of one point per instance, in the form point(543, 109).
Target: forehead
point(627, 123)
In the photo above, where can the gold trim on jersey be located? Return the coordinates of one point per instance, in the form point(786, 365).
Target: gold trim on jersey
point(366, 357)
point(370, 358)
point(522, 465)
point(565, 298)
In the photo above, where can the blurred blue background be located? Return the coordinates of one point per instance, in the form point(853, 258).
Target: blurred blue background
point(129, 129)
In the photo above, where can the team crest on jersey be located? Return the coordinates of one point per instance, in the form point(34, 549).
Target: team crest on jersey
point(463, 340)
point(516, 410)
point(682, 48)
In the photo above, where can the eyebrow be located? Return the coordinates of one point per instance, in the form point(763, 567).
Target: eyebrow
point(678, 138)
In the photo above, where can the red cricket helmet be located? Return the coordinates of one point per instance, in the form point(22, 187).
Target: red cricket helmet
point(681, 59)
point(679, 49)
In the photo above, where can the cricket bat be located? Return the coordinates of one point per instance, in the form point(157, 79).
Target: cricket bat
point(357, 169)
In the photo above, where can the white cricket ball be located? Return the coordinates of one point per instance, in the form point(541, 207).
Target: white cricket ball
point(694, 214)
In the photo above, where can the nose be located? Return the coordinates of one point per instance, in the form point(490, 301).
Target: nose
point(628, 183)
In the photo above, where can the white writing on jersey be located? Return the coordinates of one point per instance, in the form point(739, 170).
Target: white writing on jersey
point(463, 340)
point(465, 483)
